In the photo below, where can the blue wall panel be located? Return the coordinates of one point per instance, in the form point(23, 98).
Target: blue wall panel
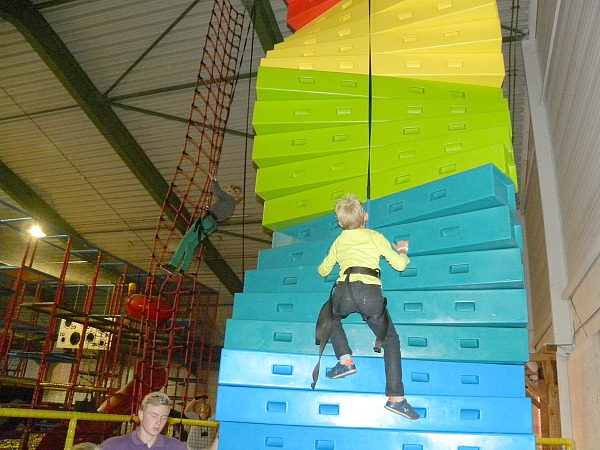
point(357, 410)
point(420, 377)
point(253, 436)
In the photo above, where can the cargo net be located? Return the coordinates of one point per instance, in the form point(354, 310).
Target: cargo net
point(177, 314)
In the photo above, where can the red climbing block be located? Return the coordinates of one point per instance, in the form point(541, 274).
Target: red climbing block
point(302, 12)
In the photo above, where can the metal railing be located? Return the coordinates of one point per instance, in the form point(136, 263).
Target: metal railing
point(73, 417)
point(566, 443)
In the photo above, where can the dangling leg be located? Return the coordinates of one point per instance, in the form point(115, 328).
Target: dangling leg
point(377, 317)
point(186, 246)
point(205, 228)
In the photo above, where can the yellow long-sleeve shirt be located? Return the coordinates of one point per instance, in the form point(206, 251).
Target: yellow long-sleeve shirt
point(361, 247)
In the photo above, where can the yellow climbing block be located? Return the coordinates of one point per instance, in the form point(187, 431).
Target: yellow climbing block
point(345, 12)
point(355, 64)
point(342, 47)
point(483, 36)
point(415, 151)
point(281, 148)
point(289, 210)
point(291, 84)
point(286, 179)
point(481, 69)
point(391, 87)
point(346, 30)
point(390, 109)
point(389, 15)
point(400, 178)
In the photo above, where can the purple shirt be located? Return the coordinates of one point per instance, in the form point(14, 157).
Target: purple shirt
point(132, 441)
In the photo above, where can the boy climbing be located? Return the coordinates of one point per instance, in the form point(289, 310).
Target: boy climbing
point(203, 227)
point(358, 289)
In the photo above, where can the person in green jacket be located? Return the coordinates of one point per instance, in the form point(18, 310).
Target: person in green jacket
point(204, 226)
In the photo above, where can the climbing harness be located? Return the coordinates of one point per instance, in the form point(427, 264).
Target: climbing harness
point(325, 319)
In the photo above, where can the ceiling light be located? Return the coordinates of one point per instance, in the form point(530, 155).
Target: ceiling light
point(37, 232)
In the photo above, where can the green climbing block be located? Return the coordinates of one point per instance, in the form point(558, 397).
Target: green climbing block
point(275, 83)
point(415, 151)
point(289, 210)
point(281, 148)
point(384, 133)
point(438, 342)
point(391, 109)
point(392, 87)
point(399, 178)
point(279, 116)
point(286, 179)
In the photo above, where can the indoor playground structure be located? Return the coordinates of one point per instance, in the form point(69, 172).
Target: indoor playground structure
point(397, 101)
point(400, 103)
point(71, 343)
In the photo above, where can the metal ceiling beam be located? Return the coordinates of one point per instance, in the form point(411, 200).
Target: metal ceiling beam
point(265, 24)
point(25, 17)
point(27, 199)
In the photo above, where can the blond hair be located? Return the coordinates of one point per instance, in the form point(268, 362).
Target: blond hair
point(155, 399)
point(349, 212)
point(86, 446)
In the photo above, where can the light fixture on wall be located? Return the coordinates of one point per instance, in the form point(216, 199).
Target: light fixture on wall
point(36, 231)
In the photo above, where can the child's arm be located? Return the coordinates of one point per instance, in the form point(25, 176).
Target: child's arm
point(328, 263)
point(395, 254)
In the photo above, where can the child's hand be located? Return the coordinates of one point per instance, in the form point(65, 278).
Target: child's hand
point(212, 177)
point(401, 246)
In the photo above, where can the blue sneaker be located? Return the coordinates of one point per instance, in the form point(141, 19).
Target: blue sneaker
point(342, 370)
point(402, 408)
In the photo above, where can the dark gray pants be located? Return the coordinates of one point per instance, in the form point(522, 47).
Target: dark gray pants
point(369, 303)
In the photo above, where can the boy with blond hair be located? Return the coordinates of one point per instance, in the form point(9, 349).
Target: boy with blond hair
point(153, 414)
point(357, 251)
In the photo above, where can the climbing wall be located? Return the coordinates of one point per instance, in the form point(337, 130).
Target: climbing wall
point(399, 102)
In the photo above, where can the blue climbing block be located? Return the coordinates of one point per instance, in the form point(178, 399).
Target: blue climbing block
point(435, 342)
point(311, 230)
point(420, 377)
point(295, 255)
point(482, 187)
point(301, 307)
point(356, 410)
point(288, 280)
point(479, 307)
point(486, 229)
point(485, 269)
point(253, 436)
